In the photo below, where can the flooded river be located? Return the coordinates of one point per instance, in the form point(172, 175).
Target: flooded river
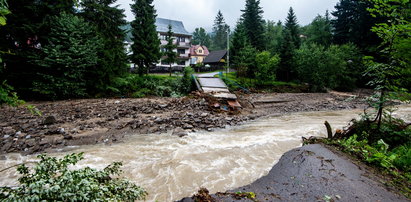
point(171, 168)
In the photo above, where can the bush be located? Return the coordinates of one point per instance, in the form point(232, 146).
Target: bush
point(136, 86)
point(53, 180)
point(266, 67)
point(336, 67)
point(186, 83)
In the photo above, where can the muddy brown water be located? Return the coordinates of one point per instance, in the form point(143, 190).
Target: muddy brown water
point(171, 168)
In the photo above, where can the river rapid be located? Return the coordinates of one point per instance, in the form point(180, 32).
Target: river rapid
point(171, 168)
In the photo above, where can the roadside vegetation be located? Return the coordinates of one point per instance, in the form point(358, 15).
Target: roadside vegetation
point(378, 138)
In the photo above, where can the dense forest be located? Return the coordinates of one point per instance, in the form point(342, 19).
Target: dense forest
point(74, 49)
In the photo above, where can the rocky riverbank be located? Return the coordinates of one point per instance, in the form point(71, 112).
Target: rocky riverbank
point(91, 121)
point(311, 173)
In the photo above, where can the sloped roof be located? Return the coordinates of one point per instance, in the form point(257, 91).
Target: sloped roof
point(195, 47)
point(215, 56)
point(177, 26)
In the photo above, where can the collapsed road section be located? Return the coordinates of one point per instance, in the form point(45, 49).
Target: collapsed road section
point(215, 87)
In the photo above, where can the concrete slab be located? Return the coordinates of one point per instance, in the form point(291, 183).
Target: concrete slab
point(209, 90)
point(225, 96)
point(212, 82)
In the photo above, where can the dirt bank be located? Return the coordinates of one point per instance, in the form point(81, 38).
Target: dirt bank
point(312, 173)
point(79, 122)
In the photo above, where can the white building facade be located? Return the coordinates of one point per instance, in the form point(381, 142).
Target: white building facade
point(182, 39)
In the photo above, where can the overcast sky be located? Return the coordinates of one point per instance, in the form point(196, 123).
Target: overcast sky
point(201, 13)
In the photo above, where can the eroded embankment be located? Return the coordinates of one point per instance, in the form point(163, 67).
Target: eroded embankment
point(312, 173)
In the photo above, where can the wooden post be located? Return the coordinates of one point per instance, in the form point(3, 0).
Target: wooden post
point(329, 130)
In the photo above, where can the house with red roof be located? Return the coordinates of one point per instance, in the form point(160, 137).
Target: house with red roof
point(198, 53)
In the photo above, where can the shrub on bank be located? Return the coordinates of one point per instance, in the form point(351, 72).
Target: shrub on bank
point(137, 86)
point(51, 179)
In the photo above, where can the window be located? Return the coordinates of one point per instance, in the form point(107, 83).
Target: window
point(181, 39)
point(200, 51)
point(163, 37)
point(182, 63)
point(164, 63)
point(181, 51)
point(163, 50)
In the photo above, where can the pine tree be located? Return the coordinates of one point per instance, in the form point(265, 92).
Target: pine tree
point(286, 71)
point(171, 56)
point(146, 44)
point(319, 31)
point(238, 41)
point(220, 30)
point(291, 25)
point(352, 23)
point(27, 30)
point(253, 23)
point(64, 62)
point(273, 36)
point(112, 57)
point(200, 37)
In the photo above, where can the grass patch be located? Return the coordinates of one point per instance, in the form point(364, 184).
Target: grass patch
point(238, 83)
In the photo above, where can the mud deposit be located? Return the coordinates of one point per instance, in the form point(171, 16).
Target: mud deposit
point(82, 122)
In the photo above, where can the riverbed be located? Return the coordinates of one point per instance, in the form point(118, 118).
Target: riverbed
point(171, 168)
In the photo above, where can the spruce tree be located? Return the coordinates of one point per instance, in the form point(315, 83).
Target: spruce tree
point(200, 37)
point(352, 23)
point(319, 31)
point(112, 57)
point(238, 41)
point(171, 56)
point(253, 23)
point(291, 36)
point(291, 25)
point(71, 51)
point(27, 30)
point(273, 36)
point(220, 30)
point(146, 44)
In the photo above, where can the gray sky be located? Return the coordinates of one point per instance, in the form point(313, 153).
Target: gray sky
point(201, 13)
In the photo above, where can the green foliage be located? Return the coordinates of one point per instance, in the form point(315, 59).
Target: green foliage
point(71, 53)
point(238, 41)
point(266, 66)
point(3, 12)
point(8, 97)
point(291, 42)
point(220, 30)
point(379, 153)
point(112, 61)
point(253, 24)
point(352, 23)
point(171, 56)
point(200, 37)
point(245, 61)
point(333, 67)
point(163, 86)
point(319, 31)
point(403, 157)
point(146, 44)
point(389, 74)
point(273, 36)
point(52, 180)
point(291, 25)
point(186, 83)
